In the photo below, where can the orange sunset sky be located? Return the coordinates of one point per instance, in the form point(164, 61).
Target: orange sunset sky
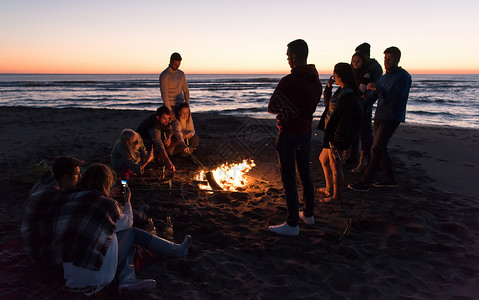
point(225, 37)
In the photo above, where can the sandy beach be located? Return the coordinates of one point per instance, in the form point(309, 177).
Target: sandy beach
point(417, 241)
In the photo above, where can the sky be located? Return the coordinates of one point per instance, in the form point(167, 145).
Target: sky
point(126, 36)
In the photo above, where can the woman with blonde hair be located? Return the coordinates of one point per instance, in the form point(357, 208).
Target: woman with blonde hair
point(129, 154)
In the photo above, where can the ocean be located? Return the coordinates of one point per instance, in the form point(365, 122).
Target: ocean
point(446, 100)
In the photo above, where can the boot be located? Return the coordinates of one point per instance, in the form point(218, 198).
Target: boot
point(165, 247)
point(363, 162)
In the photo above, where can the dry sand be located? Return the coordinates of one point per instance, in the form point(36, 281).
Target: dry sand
point(417, 241)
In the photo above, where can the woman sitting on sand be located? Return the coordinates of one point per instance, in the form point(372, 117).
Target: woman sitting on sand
point(340, 121)
point(102, 247)
point(184, 124)
point(129, 154)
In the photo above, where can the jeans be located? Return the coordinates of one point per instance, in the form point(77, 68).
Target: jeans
point(294, 150)
point(383, 131)
point(126, 240)
point(366, 133)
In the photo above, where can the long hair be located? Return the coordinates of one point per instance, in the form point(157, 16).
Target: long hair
point(98, 177)
point(364, 59)
point(346, 72)
point(126, 138)
point(180, 107)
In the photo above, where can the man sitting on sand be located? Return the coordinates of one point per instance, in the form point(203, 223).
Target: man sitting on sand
point(156, 130)
point(294, 101)
point(64, 176)
point(392, 92)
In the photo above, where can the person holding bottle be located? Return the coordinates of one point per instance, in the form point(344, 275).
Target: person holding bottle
point(340, 122)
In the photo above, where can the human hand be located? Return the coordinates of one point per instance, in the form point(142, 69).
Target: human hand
point(126, 194)
point(151, 155)
point(331, 81)
point(371, 86)
point(116, 193)
point(187, 150)
point(168, 142)
point(171, 166)
point(188, 135)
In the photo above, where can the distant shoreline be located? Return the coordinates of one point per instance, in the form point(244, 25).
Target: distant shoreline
point(321, 72)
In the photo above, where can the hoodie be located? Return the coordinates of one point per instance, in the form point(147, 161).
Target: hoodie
point(295, 99)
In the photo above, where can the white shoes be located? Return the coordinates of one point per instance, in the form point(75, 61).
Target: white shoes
point(285, 229)
point(307, 220)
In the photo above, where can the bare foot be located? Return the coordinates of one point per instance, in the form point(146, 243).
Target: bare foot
point(326, 191)
point(331, 199)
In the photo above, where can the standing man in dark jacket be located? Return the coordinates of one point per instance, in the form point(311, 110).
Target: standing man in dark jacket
point(392, 92)
point(294, 102)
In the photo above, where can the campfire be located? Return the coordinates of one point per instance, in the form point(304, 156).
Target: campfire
point(229, 177)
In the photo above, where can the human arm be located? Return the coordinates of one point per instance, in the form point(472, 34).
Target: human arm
point(370, 97)
point(157, 140)
point(277, 100)
point(191, 128)
point(186, 91)
point(164, 91)
point(126, 217)
point(363, 82)
point(394, 88)
point(178, 135)
point(147, 158)
point(328, 91)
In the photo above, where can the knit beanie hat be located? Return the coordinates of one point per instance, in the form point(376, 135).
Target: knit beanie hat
point(364, 48)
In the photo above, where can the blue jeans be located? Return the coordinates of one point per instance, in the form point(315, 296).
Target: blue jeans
point(383, 131)
point(126, 240)
point(294, 150)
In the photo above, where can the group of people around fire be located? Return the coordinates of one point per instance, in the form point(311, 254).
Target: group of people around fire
point(85, 224)
point(75, 222)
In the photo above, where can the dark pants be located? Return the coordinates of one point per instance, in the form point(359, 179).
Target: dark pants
point(365, 134)
point(383, 131)
point(292, 150)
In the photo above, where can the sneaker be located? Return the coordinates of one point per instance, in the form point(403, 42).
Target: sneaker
point(359, 187)
point(307, 220)
point(285, 229)
point(137, 285)
point(385, 184)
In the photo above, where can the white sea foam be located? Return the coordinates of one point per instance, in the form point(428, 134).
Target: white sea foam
point(451, 100)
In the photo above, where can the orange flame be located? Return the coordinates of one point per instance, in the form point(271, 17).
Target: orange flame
point(230, 177)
